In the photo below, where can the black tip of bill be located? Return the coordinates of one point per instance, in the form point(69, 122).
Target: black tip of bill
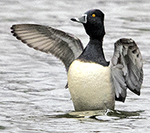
point(74, 19)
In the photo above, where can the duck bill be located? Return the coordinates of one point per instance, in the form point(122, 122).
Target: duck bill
point(82, 19)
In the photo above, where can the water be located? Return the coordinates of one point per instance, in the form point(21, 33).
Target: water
point(32, 94)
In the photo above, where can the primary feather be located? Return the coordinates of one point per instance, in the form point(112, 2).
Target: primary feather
point(63, 45)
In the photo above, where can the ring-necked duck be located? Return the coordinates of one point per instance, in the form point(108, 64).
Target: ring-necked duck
point(93, 82)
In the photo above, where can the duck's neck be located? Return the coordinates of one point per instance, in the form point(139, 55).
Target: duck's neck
point(94, 53)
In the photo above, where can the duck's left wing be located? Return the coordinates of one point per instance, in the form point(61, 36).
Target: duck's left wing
point(62, 45)
point(126, 68)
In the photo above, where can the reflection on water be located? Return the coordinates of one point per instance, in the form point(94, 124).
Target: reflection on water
point(32, 94)
point(115, 114)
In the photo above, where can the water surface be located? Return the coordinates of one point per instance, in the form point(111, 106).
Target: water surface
point(32, 94)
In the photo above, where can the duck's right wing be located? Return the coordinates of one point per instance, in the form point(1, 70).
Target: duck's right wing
point(63, 45)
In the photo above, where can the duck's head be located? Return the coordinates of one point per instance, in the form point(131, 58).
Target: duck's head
point(93, 21)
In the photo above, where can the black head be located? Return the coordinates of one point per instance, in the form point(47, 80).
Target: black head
point(93, 21)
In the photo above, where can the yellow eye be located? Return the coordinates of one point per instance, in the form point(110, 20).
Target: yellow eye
point(93, 15)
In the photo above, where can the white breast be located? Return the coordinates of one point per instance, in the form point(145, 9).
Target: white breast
point(90, 86)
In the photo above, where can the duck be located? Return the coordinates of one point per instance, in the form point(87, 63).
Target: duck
point(93, 82)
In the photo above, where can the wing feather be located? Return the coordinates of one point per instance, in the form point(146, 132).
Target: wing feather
point(127, 68)
point(63, 45)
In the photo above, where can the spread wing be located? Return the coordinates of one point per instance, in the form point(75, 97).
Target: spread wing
point(63, 45)
point(127, 68)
